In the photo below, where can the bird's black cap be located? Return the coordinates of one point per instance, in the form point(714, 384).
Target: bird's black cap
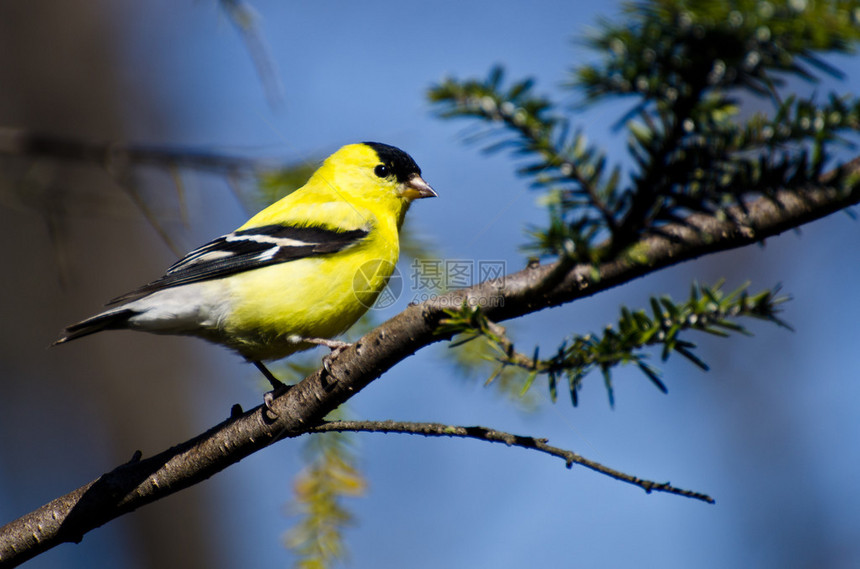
point(401, 164)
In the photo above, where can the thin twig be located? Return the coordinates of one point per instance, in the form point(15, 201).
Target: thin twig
point(494, 436)
point(21, 142)
point(246, 22)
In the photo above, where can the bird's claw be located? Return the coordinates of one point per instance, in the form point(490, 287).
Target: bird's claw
point(269, 397)
point(331, 356)
point(336, 347)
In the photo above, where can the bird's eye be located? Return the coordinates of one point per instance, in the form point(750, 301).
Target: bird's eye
point(381, 171)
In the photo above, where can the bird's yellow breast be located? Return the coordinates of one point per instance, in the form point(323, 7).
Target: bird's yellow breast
point(317, 297)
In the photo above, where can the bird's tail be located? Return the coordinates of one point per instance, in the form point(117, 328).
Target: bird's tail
point(105, 321)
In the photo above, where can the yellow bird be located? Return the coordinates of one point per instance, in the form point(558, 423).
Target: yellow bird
point(298, 273)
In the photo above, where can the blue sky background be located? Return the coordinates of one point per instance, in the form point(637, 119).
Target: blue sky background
point(771, 431)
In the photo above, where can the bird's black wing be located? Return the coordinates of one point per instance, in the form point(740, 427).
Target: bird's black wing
point(249, 249)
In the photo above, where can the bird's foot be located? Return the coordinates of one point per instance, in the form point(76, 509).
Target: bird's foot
point(333, 345)
point(332, 355)
point(278, 386)
point(269, 397)
point(336, 347)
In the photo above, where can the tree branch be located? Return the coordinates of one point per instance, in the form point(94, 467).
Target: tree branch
point(494, 436)
point(20, 142)
point(140, 482)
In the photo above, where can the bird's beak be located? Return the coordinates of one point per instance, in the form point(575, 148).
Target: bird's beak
point(417, 188)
